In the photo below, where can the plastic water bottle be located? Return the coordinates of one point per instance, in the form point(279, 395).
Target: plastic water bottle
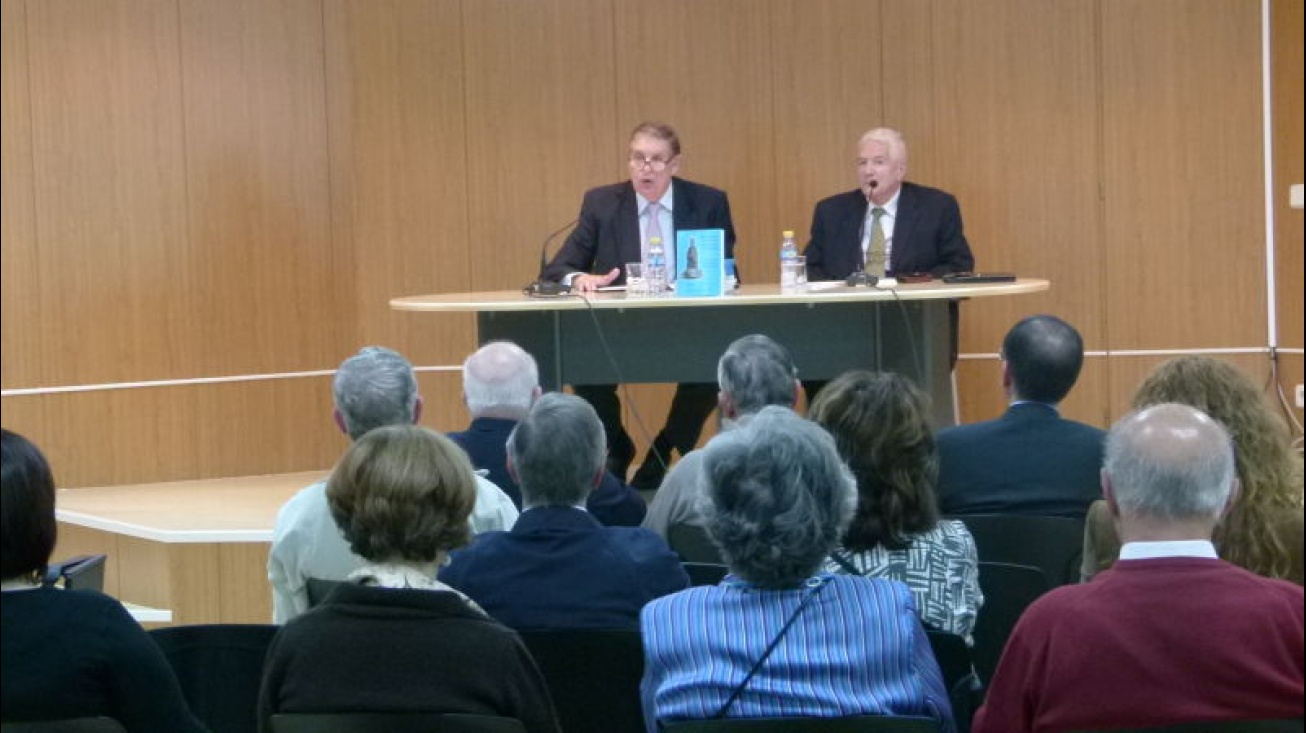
point(655, 271)
point(788, 260)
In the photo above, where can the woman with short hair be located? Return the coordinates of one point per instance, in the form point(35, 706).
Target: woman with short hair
point(777, 637)
point(391, 638)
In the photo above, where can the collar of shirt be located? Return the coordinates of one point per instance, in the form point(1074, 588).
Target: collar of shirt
point(1174, 548)
point(666, 202)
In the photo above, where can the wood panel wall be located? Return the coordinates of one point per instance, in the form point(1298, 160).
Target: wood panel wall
point(196, 190)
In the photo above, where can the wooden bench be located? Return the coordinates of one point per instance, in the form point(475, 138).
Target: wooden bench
point(182, 552)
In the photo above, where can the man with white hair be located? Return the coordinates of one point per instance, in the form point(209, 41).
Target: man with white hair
point(373, 388)
point(500, 383)
point(1170, 634)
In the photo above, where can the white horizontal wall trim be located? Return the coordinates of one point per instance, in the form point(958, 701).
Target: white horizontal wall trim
point(31, 391)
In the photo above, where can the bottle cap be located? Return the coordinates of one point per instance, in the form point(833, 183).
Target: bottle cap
point(788, 233)
point(651, 240)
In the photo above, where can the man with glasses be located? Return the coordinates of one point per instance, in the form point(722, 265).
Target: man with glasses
point(615, 225)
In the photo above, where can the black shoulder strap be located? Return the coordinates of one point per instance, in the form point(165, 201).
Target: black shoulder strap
point(845, 562)
point(739, 690)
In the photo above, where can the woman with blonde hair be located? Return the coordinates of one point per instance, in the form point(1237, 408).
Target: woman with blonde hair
point(1263, 530)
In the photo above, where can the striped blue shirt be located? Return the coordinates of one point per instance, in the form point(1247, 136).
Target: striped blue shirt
point(856, 649)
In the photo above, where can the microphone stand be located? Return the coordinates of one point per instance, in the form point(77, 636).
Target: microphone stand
point(542, 288)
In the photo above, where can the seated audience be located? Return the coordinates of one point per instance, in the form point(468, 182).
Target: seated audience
point(559, 568)
point(754, 372)
point(1030, 460)
point(880, 423)
point(1170, 634)
point(391, 638)
point(777, 637)
point(500, 382)
point(69, 653)
point(372, 388)
point(1263, 530)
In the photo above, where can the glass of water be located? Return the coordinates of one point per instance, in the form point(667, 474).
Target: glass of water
point(636, 285)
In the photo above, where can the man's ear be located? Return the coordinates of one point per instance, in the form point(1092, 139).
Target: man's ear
point(725, 404)
point(417, 410)
point(512, 470)
point(1109, 493)
point(1233, 497)
point(340, 421)
point(1006, 377)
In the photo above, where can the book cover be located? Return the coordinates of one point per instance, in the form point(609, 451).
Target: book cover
point(700, 260)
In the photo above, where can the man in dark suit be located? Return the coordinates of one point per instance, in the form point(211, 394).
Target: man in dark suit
point(614, 227)
point(558, 567)
point(1030, 460)
point(500, 382)
point(919, 228)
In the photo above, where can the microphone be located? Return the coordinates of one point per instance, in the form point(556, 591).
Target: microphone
point(861, 277)
point(542, 288)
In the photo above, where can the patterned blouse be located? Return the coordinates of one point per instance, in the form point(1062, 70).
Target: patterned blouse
point(940, 567)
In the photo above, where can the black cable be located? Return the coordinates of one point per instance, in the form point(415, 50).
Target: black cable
point(621, 382)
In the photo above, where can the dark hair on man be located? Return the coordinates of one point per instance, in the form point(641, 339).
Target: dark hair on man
point(661, 131)
point(402, 492)
point(1045, 355)
point(27, 525)
point(756, 371)
point(880, 423)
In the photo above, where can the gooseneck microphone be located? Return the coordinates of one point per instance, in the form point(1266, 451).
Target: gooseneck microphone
point(542, 288)
point(861, 277)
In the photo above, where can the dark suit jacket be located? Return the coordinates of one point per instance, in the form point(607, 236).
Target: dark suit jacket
point(1029, 461)
point(607, 234)
point(560, 569)
point(927, 236)
point(486, 442)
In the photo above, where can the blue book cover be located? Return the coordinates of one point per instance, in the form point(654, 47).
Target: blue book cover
point(700, 261)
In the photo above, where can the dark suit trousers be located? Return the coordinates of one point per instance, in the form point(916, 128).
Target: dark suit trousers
point(690, 407)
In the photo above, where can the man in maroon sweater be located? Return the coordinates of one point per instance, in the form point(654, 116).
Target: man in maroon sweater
point(1171, 633)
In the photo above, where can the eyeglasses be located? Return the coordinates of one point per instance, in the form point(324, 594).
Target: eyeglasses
point(638, 161)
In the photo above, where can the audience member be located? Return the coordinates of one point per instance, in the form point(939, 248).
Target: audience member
point(69, 653)
point(1263, 530)
point(754, 372)
point(391, 638)
point(615, 225)
point(1170, 634)
point(880, 424)
point(559, 567)
point(775, 638)
point(375, 387)
point(1030, 460)
point(500, 382)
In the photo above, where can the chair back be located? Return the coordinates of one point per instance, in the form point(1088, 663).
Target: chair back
point(1292, 725)
point(1055, 545)
point(853, 724)
point(593, 677)
point(691, 542)
point(705, 573)
point(220, 668)
point(76, 573)
point(67, 725)
point(1008, 590)
point(393, 723)
point(965, 691)
point(318, 589)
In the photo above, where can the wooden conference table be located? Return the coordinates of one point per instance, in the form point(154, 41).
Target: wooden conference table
point(607, 338)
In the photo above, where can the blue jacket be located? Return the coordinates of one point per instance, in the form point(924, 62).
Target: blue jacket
point(560, 569)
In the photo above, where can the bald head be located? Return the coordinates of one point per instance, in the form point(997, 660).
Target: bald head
point(500, 380)
point(1169, 462)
